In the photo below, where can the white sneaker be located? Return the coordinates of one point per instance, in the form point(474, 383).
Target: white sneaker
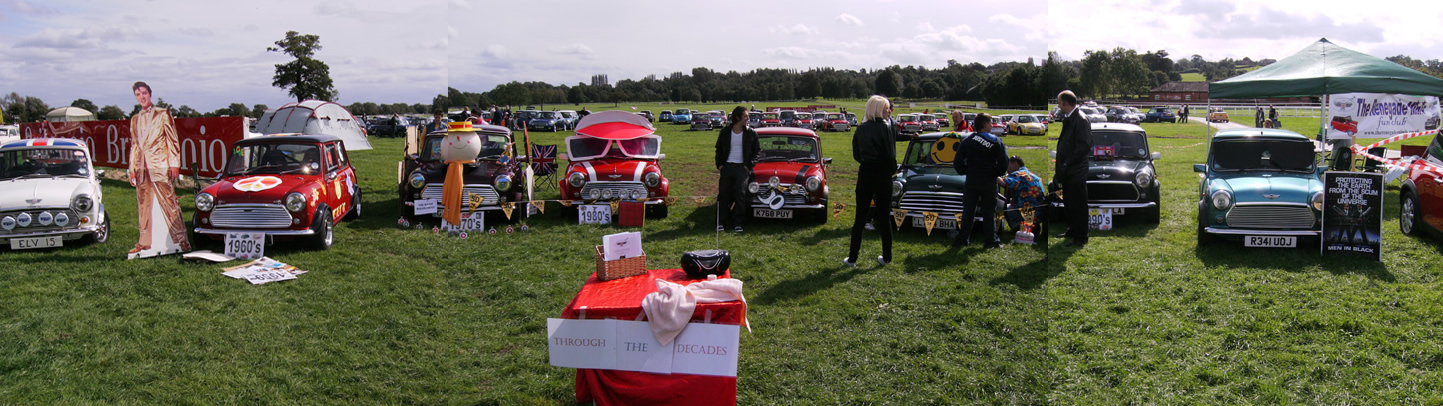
point(881, 261)
point(848, 262)
point(871, 227)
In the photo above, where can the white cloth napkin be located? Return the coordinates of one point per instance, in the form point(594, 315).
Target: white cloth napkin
point(671, 306)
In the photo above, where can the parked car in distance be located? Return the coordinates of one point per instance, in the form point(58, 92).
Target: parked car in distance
point(1217, 115)
point(568, 116)
point(836, 122)
point(388, 126)
point(929, 122)
point(546, 120)
point(700, 122)
point(285, 186)
point(790, 175)
point(681, 116)
point(1260, 185)
point(754, 119)
point(1161, 114)
point(718, 118)
point(771, 119)
point(1137, 115)
point(803, 120)
point(788, 118)
point(852, 119)
point(665, 116)
point(1119, 114)
point(1121, 177)
point(12, 132)
point(999, 124)
point(1027, 124)
point(647, 114)
point(52, 194)
point(944, 122)
point(908, 124)
point(1093, 114)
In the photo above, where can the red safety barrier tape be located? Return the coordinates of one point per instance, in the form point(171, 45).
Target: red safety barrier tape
point(1405, 163)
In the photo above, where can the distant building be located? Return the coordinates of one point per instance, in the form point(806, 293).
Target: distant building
point(1180, 92)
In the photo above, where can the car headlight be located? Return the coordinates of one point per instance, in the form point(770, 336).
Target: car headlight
point(1318, 201)
point(8, 223)
point(652, 179)
point(1222, 200)
point(595, 194)
point(418, 180)
point(576, 179)
point(82, 203)
point(813, 183)
point(204, 202)
point(753, 188)
point(503, 183)
point(62, 219)
point(1143, 179)
point(774, 182)
point(896, 188)
point(295, 202)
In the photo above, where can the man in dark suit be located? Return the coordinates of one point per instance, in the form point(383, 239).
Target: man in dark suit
point(1073, 148)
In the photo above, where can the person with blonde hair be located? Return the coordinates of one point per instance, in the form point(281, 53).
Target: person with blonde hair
point(875, 149)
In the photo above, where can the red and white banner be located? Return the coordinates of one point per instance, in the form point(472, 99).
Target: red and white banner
point(204, 142)
point(1377, 115)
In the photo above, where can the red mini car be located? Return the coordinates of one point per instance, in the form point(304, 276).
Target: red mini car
point(286, 186)
point(615, 156)
point(790, 175)
point(771, 119)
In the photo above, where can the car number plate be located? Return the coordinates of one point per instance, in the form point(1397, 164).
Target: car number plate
point(1099, 219)
point(35, 242)
point(1270, 241)
point(943, 224)
point(772, 214)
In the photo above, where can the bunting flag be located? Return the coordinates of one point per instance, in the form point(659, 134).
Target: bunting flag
point(669, 201)
point(929, 219)
point(474, 200)
point(898, 216)
point(837, 210)
point(566, 203)
point(507, 207)
point(540, 206)
point(699, 199)
point(615, 206)
point(958, 216)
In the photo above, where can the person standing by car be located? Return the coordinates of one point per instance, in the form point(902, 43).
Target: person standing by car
point(874, 146)
point(154, 166)
point(1259, 118)
point(737, 148)
point(1273, 118)
point(1074, 146)
point(1023, 189)
point(980, 156)
point(436, 124)
point(1183, 114)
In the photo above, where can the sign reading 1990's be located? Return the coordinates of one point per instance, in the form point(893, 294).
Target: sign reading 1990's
point(1353, 213)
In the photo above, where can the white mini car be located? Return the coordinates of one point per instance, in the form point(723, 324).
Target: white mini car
point(49, 194)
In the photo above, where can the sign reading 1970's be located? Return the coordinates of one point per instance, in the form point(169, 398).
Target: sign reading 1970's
point(1353, 213)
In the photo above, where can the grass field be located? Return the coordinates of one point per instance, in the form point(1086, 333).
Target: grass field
point(392, 315)
point(1142, 314)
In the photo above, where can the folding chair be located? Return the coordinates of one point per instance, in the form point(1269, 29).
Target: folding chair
point(543, 165)
point(1370, 165)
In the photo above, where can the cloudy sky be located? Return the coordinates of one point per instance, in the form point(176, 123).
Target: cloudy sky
point(209, 54)
point(1217, 29)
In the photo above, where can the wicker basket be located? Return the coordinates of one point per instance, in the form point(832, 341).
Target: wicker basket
point(620, 268)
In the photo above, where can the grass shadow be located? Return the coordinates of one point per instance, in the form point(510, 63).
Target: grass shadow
point(1028, 276)
point(1304, 258)
point(808, 285)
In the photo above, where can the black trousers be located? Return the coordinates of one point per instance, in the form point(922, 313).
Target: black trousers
point(1074, 197)
point(732, 193)
point(873, 188)
point(985, 196)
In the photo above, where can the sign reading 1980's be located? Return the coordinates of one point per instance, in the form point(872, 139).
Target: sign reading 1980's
point(1353, 213)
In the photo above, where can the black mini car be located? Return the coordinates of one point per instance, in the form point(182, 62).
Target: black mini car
point(1120, 175)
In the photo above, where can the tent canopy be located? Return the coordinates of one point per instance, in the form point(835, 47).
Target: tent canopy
point(1325, 68)
point(315, 117)
point(69, 114)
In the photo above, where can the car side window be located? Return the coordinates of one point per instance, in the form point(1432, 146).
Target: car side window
point(1435, 150)
point(331, 163)
point(341, 156)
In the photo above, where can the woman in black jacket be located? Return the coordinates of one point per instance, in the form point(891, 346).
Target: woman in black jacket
point(874, 147)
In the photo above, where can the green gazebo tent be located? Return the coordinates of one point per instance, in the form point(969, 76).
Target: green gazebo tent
point(1323, 69)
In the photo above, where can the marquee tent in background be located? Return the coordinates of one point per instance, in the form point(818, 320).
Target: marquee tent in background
point(315, 117)
point(69, 114)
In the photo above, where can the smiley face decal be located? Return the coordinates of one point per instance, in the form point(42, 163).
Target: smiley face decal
point(945, 149)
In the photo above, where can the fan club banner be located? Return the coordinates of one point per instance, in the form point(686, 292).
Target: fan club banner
point(204, 142)
point(1353, 213)
point(1376, 115)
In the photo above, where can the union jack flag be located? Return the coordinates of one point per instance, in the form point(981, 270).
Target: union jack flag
point(543, 160)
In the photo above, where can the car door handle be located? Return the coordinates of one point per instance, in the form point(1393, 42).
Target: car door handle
point(1437, 180)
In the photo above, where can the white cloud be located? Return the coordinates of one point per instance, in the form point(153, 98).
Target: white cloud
point(580, 51)
point(926, 27)
point(798, 29)
point(848, 19)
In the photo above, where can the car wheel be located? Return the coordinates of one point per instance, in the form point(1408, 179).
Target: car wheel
point(657, 211)
point(824, 214)
point(324, 228)
point(356, 205)
point(1202, 235)
point(1409, 215)
point(102, 234)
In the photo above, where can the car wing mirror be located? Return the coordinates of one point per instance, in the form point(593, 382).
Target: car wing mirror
point(1052, 154)
point(661, 157)
point(1156, 156)
point(826, 161)
point(1199, 168)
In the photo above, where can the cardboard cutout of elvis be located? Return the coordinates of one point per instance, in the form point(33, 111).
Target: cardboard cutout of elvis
point(154, 166)
point(1353, 213)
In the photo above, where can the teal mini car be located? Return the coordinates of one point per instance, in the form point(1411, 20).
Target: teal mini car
point(1260, 185)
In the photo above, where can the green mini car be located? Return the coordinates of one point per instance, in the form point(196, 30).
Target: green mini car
point(1261, 185)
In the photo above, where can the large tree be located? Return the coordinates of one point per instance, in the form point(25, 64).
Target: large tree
point(889, 84)
point(305, 77)
point(85, 104)
point(24, 109)
point(110, 112)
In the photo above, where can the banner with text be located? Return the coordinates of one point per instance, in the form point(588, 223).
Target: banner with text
point(204, 142)
point(1377, 115)
point(700, 349)
point(1353, 213)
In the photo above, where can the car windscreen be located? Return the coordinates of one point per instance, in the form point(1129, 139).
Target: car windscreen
point(1024, 119)
point(770, 116)
point(920, 152)
point(547, 114)
point(1119, 144)
point(787, 148)
point(683, 111)
point(273, 158)
point(906, 119)
point(788, 114)
point(1261, 154)
point(644, 147)
point(42, 163)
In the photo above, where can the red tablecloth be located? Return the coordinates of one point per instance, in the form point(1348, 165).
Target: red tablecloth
point(621, 299)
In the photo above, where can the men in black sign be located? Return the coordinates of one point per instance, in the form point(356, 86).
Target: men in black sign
point(982, 157)
point(1074, 147)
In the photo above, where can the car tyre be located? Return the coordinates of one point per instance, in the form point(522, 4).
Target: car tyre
point(1409, 215)
point(1202, 235)
point(325, 229)
point(101, 235)
point(355, 212)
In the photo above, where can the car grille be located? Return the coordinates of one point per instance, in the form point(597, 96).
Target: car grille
point(35, 227)
point(250, 216)
point(488, 194)
point(1271, 216)
point(1112, 192)
point(943, 203)
point(619, 190)
point(840, 127)
point(791, 198)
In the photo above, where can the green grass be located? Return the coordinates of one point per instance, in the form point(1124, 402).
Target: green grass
point(1144, 315)
point(391, 315)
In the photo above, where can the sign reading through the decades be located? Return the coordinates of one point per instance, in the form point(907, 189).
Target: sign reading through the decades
point(1353, 213)
point(700, 349)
